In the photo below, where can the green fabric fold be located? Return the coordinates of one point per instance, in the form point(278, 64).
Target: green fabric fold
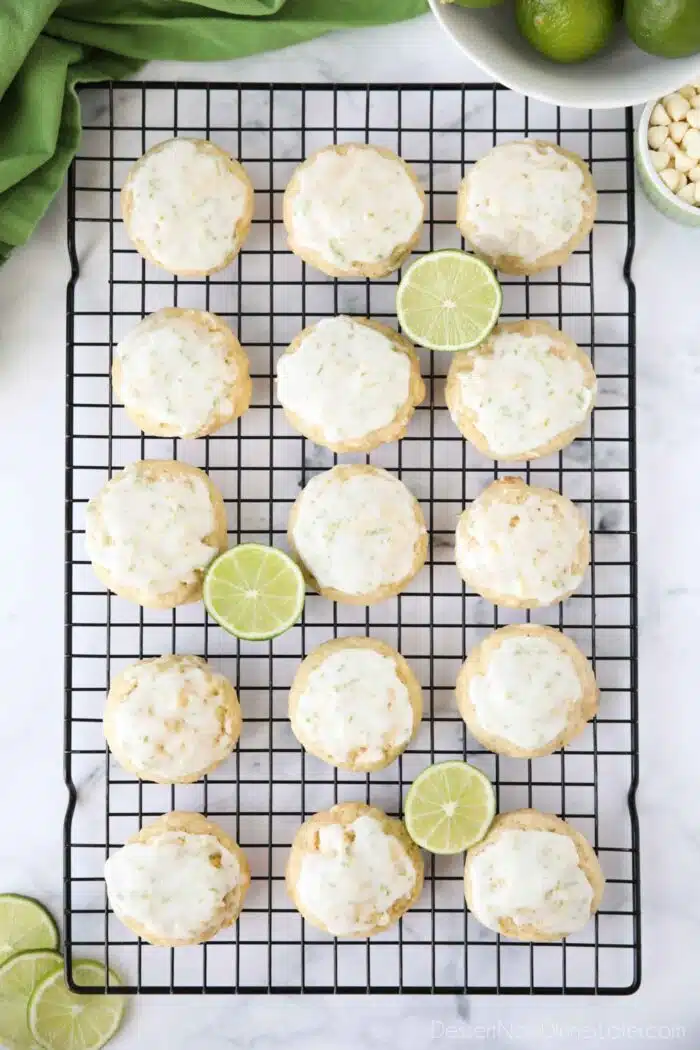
point(50, 46)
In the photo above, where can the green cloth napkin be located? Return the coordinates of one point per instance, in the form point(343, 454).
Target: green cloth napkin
point(49, 46)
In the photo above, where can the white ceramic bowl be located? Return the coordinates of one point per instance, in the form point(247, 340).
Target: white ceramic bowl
point(658, 193)
point(621, 75)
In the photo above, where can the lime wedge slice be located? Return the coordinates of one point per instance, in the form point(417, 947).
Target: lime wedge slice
point(449, 807)
point(448, 300)
point(61, 1020)
point(254, 592)
point(24, 925)
point(18, 978)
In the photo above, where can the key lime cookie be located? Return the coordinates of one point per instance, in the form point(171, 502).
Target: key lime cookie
point(179, 881)
point(522, 546)
point(534, 877)
point(187, 206)
point(181, 373)
point(525, 206)
point(355, 703)
point(358, 533)
point(376, 369)
point(171, 720)
point(353, 871)
point(526, 691)
point(525, 392)
point(354, 210)
point(153, 529)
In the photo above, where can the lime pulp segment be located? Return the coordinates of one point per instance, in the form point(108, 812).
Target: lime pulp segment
point(449, 807)
point(24, 925)
point(254, 592)
point(61, 1020)
point(18, 978)
point(448, 300)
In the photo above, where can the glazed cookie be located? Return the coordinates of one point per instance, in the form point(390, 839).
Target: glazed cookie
point(171, 720)
point(187, 206)
point(525, 206)
point(534, 877)
point(354, 210)
point(152, 530)
point(355, 703)
point(526, 690)
point(522, 546)
point(181, 373)
point(525, 392)
point(359, 534)
point(376, 369)
point(179, 881)
point(353, 871)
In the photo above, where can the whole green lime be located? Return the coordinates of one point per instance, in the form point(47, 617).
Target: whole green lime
point(670, 28)
point(567, 30)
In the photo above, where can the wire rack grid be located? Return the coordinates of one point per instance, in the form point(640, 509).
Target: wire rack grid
point(268, 786)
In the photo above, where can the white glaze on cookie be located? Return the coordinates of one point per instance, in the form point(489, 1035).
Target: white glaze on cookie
point(532, 877)
point(345, 378)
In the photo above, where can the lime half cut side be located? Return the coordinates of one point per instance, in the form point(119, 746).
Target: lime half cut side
point(254, 592)
point(448, 300)
point(19, 976)
point(61, 1020)
point(24, 925)
point(449, 807)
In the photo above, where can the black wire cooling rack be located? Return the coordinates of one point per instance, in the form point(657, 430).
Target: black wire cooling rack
point(268, 786)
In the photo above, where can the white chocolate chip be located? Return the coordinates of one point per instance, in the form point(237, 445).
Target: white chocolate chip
point(676, 106)
point(691, 143)
point(687, 91)
point(659, 115)
point(697, 193)
point(683, 182)
point(677, 130)
point(660, 159)
point(693, 118)
point(682, 162)
point(658, 135)
point(694, 173)
point(671, 178)
point(696, 101)
point(672, 147)
point(687, 193)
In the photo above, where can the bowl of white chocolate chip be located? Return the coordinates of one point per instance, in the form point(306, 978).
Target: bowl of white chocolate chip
point(667, 152)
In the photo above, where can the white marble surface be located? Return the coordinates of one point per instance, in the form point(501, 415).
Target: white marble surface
point(32, 290)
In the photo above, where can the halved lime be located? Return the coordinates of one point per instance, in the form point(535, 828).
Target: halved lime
point(449, 807)
point(61, 1020)
point(448, 300)
point(254, 592)
point(24, 925)
point(19, 976)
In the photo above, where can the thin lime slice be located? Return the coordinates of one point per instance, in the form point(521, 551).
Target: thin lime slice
point(448, 300)
point(449, 807)
point(19, 976)
point(24, 925)
point(61, 1020)
point(254, 592)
